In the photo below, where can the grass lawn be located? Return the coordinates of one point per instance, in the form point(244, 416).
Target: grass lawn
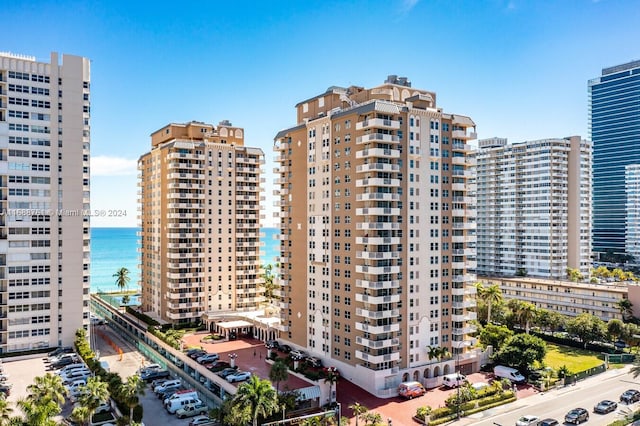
point(575, 359)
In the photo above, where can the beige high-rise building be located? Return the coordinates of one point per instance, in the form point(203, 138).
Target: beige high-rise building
point(200, 200)
point(44, 200)
point(534, 207)
point(377, 217)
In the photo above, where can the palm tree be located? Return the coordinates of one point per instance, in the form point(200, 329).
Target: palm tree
point(358, 410)
point(491, 295)
point(81, 414)
point(130, 390)
point(5, 411)
point(626, 308)
point(332, 379)
point(47, 387)
point(635, 370)
point(258, 396)
point(373, 418)
point(279, 373)
point(94, 393)
point(122, 281)
point(39, 413)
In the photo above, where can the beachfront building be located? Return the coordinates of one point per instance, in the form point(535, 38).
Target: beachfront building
point(200, 212)
point(567, 297)
point(44, 200)
point(534, 207)
point(377, 213)
point(614, 128)
point(632, 190)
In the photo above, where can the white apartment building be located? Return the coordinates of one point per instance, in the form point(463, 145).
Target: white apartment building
point(534, 207)
point(377, 218)
point(44, 200)
point(200, 213)
point(632, 191)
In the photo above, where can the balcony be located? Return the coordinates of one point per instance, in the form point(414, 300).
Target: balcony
point(377, 300)
point(377, 137)
point(462, 134)
point(465, 330)
point(377, 182)
point(379, 123)
point(377, 359)
point(389, 313)
point(378, 240)
point(377, 270)
point(377, 329)
point(377, 344)
point(469, 303)
point(378, 196)
point(464, 161)
point(469, 316)
point(378, 152)
point(377, 167)
point(373, 226)
point(377, 285)
point(378, 211)
point(377, 255)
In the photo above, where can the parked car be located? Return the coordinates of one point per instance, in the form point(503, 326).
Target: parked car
point(224, 373)
point(630, 396)
point(63, 362)
point(168, 391)
point(203, 421)
point(158, 382)
point(5, 388)
point(527, 420)
point(208, 357)
point(604, 407)
point(60, 351)
point(162, 386)
point(285, 349)
point(411, 390)
point(192, 410)
point(272, 344)
point(296, 353)
point(238, 376)
point(314, 362)
point(576, 416)
point(154, 375)
point(196, 353)
point(149, 367)
point(217, 366)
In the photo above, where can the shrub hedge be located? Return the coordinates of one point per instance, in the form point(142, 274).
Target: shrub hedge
point(113, 379)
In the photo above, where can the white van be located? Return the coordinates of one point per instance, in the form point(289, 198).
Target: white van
point(183, 394)
point(179, 403)
point(508, 373)
point(454, 380)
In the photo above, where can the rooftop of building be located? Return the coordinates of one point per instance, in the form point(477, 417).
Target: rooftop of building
point(616, 286)
point(621, 67)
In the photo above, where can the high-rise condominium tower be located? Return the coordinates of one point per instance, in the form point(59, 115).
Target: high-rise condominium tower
point(534, 207)
point(377, 216)
point(44, 200)
point(614, 127)
point(200, 216)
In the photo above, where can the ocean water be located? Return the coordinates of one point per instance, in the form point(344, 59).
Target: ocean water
point(114, 248)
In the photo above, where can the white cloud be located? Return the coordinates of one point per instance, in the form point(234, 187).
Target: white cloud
point(103, 165)
point(407, 5)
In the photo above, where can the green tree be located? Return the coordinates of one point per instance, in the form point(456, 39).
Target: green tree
point(626, 308)
point(47, 387)
point(279, 373)
point(372, 418)
point(122, 281)
point(259, 396)
point(129, 392)
point(494, 335)
point(39, 413)
point(615, 328)
point(491, 296)
point(332, 378)
point(574, 275)
point(269, 283)
point(81, 414)
point(635, 369)
point(587, 327)
point(5, 411)
point(550, 320)
point(521, 351)
point(358, 410)
point(522, 313)
point(94, 393)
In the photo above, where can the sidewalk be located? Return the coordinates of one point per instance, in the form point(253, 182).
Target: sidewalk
point(542, 396)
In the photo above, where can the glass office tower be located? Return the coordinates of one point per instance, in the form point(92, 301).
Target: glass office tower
point(614, 127)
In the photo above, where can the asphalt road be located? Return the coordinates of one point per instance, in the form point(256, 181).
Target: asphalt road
point(557, 403)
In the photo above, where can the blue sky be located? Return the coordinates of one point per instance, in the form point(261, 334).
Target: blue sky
point(518, 68)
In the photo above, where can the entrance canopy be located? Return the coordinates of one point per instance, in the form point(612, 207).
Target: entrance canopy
point(228, 325)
